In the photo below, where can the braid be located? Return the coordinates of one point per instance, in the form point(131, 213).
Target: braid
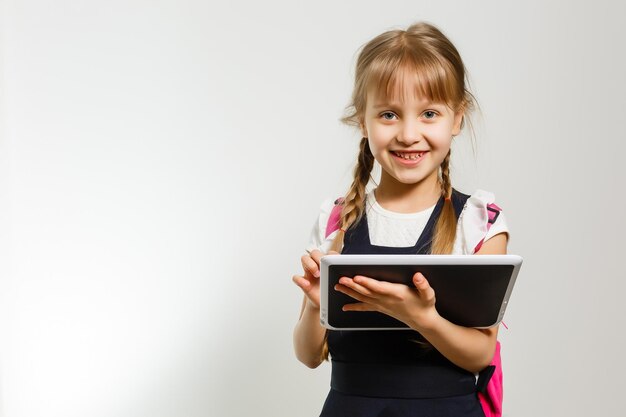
point(354, 202)
point(445, 229)
point(353, 205)
point(446, 184)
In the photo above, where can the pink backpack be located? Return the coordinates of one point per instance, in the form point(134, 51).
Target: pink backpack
point(489, 384)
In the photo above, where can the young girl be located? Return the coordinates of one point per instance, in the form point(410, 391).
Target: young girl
point(409, 102)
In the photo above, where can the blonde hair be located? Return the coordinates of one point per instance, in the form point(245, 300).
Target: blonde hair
point(383, 64)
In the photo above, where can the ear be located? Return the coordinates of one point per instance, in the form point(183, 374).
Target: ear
point(458, 122)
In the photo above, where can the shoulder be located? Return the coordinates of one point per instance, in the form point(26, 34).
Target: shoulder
point(318, 238)
point(480, 219)
point(475, 206)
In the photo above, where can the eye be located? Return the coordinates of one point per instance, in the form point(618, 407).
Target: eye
point(386, 114)
point(430, 114)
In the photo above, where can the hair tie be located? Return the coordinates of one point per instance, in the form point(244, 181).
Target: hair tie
point(343, 230)
point(447, 199)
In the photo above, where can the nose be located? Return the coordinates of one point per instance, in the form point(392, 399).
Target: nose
point(409, 133)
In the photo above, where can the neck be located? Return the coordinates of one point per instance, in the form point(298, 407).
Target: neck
point(395, 196)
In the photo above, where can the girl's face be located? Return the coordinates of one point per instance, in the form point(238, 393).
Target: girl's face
point(409, 138)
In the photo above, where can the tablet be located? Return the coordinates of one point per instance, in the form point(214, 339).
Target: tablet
point(470, 290)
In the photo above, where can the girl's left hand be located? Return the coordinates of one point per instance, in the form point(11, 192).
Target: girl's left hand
point(413, 306)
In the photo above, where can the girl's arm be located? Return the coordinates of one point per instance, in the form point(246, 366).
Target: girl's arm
point(309, 334)
point(469, 348)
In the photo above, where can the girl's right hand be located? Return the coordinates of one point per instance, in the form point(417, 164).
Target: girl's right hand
point(309, 282)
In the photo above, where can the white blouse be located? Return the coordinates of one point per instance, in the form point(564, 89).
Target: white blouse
point(388, 228)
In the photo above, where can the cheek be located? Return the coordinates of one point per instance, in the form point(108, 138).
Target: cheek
point(375, 146)
point(440, 135)
point(378, 140)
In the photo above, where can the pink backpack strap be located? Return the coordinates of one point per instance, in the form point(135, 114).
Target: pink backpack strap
point(335, 217)
point(493, 211)
point(490, 386)
point(490, 381)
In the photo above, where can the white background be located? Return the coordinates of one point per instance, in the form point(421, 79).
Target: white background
point(162, 163)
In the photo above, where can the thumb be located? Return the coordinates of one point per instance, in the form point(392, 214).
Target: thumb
point(420, 281)
point(425, 290)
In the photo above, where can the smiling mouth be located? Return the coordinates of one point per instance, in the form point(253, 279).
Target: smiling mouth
point(409, 156)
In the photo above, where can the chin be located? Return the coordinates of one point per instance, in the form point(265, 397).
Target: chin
point(413, 179)
point(410, 181)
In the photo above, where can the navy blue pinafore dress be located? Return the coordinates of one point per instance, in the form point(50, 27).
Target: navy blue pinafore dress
point(393, 373)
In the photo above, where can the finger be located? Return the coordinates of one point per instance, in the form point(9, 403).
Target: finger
point(348, 282)
point(425, 291)
point(302, 282)
point(332, 252)
point(352, 293)
point(375, 286)
point(309, 265)
point(316, 255)
point(358, 307)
